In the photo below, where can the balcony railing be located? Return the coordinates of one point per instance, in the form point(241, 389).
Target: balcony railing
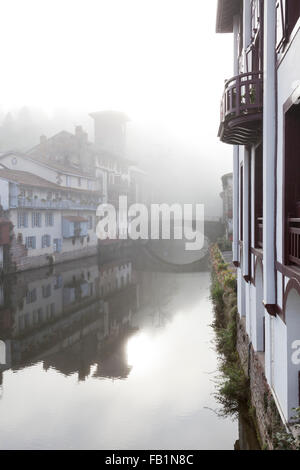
point(241, 109)
point(294, 241)
point(24, 203)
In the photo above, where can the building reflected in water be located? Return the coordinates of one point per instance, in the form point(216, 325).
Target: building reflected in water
point(77, 317)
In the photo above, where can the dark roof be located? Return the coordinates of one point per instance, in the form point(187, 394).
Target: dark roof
point(227, 9)
point(39, 153)
point(29, 179)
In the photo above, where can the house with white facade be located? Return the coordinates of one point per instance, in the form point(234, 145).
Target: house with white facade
point(260, 118)
point(51, 222)
point(51, 193)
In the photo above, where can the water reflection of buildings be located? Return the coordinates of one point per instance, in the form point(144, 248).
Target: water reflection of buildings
point(71, 318)
point(77, 317)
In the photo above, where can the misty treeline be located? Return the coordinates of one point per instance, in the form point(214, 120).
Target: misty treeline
point(20, 129)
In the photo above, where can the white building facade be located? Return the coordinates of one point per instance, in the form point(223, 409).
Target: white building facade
point(50, 194)
point(51, 223)
point(260, 118)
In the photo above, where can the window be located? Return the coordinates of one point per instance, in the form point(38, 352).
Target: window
point(288, 13)
point(49, 195)
point(255, 15)
point(292, 15)
point(22, 219)
point(79, 181)
point(49, 219)
point(58, 282)
point(68, 180)
point(280, 18)
point(89, 184)
point(291, 189)
point(31, 296)
point(46, 241)
point(46, 291)
point(50, 311)
point(36, 219)
point(30, 242)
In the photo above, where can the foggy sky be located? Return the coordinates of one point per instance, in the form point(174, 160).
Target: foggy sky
point(159, 61)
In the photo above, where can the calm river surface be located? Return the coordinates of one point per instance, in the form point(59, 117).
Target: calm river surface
point(100, 355)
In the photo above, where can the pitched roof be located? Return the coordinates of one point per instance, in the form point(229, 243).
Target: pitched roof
point(41, 151)
point(29, 179)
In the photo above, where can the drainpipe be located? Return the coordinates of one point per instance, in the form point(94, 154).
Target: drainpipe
point(236, 222)
point(246, 209)
point(236, 160)
point(269, 155)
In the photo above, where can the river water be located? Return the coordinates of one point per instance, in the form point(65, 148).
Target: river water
point(109, 355)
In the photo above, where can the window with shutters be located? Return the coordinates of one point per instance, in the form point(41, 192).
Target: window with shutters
point(36, 219)
point(46, 241)
point(31, 296)
point(46, 290)
point(49, 219)
point(30, 242)
point(22, 219)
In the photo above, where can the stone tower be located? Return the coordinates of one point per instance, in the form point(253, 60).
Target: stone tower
point(110, 131)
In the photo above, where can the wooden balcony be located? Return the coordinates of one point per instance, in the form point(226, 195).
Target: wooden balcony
point(242, 109)
point(294, 241)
